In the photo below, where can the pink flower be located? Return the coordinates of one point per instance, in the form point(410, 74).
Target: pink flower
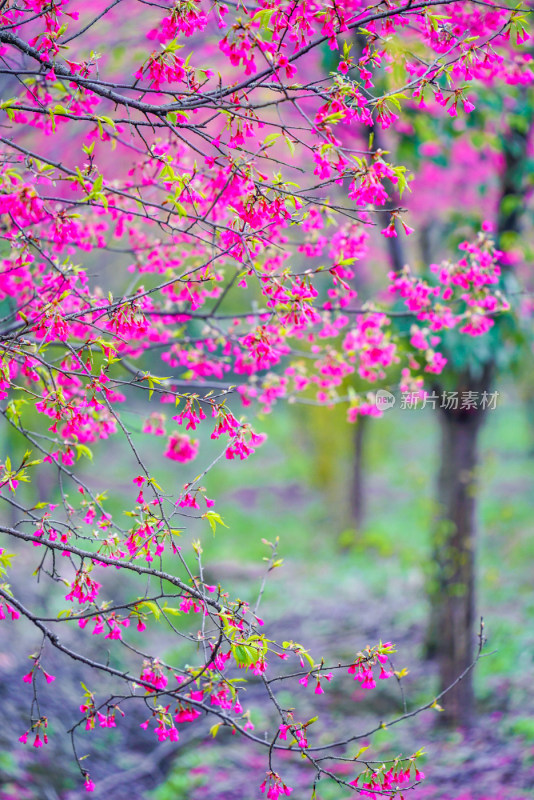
point(283, 731)
point(181, 448)
point(390, 231)
point(407, 229)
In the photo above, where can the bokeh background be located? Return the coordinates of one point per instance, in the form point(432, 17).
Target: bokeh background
point(354, 508)
point(339, 587)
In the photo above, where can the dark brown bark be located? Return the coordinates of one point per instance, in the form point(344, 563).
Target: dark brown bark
point(357, 494)
point(453, 591)
point(450, 636)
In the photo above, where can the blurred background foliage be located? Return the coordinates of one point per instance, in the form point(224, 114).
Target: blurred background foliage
point(338, 589)
point(344, 582)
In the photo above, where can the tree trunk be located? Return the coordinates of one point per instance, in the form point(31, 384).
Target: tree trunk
point(451, 631)
point(357, 494)
point(450, 635)
point(455, 556)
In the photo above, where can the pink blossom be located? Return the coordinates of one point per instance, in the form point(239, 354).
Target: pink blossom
point(181, 448)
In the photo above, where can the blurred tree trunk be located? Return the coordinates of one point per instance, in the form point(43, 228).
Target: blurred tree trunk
point(357, 494)
point(357, 490)
point(396, 257)
point(453, 595)
point(450, 635)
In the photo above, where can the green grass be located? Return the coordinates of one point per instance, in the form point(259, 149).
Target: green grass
point(275, 493)
point(295, 488)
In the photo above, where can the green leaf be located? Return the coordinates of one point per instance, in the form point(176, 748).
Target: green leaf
point(174, 612)
point(270, 139)
point(214, 519)
point(152, 607)
point(82, 450)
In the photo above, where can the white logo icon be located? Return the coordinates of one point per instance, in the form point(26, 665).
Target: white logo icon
point(384, 400)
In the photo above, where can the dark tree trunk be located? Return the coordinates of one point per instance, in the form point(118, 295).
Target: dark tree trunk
point(451, 632)
point(357, 494)
point(452, 590)
point(397, 261)
point(454, 599)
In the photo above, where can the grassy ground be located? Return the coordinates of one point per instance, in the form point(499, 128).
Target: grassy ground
point(378, 577)
point(274, 493)
point(338, 591)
